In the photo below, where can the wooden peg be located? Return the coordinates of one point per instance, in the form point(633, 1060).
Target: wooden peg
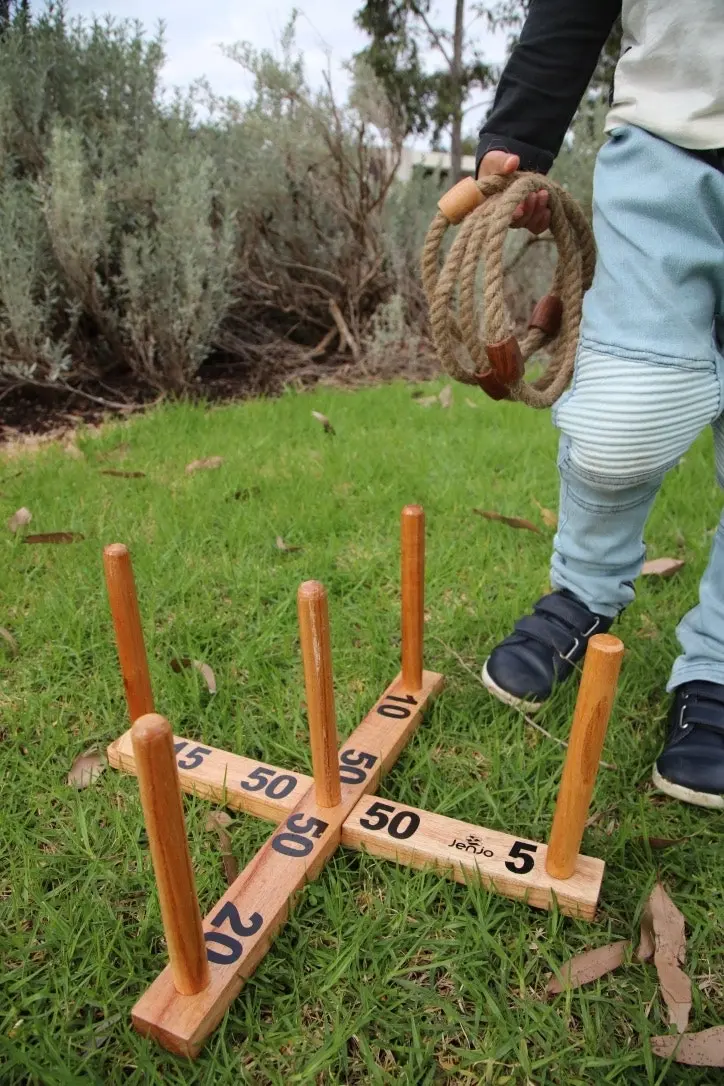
point(460, 200)
point(129, 634)
point(412, 538)
point(317, 659)
point(588, 731)
point(163, 813)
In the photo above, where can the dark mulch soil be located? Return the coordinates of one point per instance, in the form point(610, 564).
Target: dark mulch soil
point(36, 410)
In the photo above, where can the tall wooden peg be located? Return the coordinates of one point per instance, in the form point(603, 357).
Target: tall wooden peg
point(588, 731)
point(129, 633)
point(163, 813)
point(413, 595)
point(317, 659)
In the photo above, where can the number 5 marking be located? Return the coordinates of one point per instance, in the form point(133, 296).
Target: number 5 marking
point(521, 851)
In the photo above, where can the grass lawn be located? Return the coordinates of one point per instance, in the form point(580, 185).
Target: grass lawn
point(382, 975)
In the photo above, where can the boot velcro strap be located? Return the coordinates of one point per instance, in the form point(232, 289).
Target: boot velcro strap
point(705, 713)
point(570, 611)
point(549, 634)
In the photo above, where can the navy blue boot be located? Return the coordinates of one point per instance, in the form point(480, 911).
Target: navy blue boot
point(691, 765)
point(542, 650)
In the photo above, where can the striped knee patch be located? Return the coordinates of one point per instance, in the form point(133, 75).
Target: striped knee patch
point(628, 421)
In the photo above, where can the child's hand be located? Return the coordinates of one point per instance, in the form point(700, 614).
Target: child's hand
point(533, 212)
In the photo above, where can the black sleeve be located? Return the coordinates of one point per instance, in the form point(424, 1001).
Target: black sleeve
point(545, 78)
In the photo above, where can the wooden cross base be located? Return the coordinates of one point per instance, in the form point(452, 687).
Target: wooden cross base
point(210, 959)
point(239, 929)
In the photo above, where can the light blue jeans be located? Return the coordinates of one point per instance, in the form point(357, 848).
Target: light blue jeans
point(649, 377)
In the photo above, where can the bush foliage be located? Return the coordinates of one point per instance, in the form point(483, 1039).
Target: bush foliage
point(142, 234)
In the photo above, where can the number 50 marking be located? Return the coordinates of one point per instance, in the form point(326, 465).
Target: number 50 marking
point(377, 817)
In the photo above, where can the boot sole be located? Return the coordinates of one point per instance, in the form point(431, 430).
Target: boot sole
point(506, 697)
point(687, 795)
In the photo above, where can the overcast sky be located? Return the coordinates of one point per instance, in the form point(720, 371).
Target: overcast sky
point(195, 29)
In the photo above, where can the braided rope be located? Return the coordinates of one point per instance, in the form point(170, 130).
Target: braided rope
point(451, 294)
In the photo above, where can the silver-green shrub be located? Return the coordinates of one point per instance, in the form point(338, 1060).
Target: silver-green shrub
point(142, 236)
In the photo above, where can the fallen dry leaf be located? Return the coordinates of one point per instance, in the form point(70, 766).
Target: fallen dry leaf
point(662, 567)
point(428, 401)
point(218, 821)
point(705, 1049)
point(664, 842)
point(648, 629)
point(549, 518)
point(328, 428)
point(472, 403)
point(282, 546)
point(118, 451)
point(19, 519)
point(512, 522)
point(86, 768)
point(676, 989)
point(446, 396)
point(7, 636)
point(55, 537)
point(207, 464)
point(102, 1032)
point(72, 450)
point(203, 669)
point(124, 474)
point(663, 938)
point(592, 964)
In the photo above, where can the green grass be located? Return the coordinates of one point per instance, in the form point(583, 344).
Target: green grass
point(382, 975)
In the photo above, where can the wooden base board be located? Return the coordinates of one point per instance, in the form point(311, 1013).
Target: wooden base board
point(244, 784)
point(240, 928)
point(512, 866)
point(506, 864)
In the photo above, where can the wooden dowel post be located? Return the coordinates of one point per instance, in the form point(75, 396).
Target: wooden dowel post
point(588, 731)
point(129, 633)
point(412, 538)
point(160, 789)
point(317, 659)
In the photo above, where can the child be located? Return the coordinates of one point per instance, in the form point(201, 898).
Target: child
point(650, 367)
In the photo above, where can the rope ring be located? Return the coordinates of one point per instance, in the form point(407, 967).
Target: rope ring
point(483, 211)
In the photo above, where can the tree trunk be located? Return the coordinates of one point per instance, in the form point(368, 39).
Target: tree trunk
point(456, 140)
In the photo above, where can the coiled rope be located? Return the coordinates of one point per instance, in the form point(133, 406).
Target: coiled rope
point(484, 210)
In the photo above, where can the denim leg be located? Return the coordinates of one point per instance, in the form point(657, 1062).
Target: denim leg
point(646, 381)
point(625, 422)
point(701, 631)
point(598, 548)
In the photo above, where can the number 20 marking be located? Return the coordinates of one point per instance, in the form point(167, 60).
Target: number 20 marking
point(233, 946)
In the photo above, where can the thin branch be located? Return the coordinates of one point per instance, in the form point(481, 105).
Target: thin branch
point(526, 718)
point(532, 239)
point(434, 34)
point(324, 343)
point(344, 333)
point(53, 386)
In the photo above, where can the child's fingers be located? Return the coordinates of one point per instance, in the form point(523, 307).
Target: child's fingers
point(539, 221)
point(533, 212)
point(524, 210)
